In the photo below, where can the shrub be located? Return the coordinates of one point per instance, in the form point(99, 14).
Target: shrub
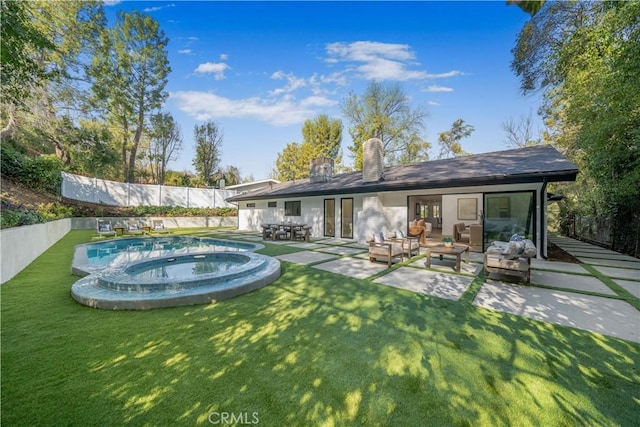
point(53, 211)
point(16, 218)
point(42, 173)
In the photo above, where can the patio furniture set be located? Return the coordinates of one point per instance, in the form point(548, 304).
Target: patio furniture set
point(105, 228)
point(511, 258)
point(288, 231)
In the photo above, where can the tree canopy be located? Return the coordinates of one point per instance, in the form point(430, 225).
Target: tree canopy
point(585, 56)
point(208, 138)
point(385, 112)
point(322, 137)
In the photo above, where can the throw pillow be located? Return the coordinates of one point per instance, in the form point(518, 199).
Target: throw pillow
point(377, 237)
point(511, 251)
point(516, 238)
point(400, 234)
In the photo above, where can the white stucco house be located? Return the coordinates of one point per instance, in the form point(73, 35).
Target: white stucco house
point(504, 192)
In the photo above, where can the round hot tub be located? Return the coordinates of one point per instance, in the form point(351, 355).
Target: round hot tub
point(176, 280)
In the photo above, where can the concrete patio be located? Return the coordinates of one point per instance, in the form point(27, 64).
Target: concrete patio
point(574, 295)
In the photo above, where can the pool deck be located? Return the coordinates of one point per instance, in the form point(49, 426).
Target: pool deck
point(591, 296)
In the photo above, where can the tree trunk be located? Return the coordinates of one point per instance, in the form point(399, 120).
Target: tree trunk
point(7, 131)
point(61, 151)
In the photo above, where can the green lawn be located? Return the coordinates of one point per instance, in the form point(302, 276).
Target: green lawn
point(312, 348)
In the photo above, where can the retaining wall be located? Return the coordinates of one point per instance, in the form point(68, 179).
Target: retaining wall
point(20, 246)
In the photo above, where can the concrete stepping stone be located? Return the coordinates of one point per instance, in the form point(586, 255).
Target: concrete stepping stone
point(603, 315)
point(305, 257)
point(441, 285)
point(339, 250)
point(610, 263)
point(567, 267)
point(570, 281)
point(630, 286)
point(619, 273)
point(352, 267)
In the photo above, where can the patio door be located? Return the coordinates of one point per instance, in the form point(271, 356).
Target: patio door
point(346, 213)
point(330, 217)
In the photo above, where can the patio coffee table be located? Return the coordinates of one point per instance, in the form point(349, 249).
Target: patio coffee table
point(456, 250)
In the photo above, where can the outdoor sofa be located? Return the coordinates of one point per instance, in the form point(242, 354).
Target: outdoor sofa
point(511, 258)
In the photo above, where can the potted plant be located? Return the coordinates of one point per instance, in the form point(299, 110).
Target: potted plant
point(448, 242)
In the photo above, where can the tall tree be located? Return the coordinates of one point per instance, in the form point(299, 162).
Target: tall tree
point(293, 162)
point(165, 144)
point(521, 133)
point(383, 112)
point(230, 174)
point(130, 69)
point(325, 135)
point(56, 105)
point(208, 138)
point(20, 40)
point(450, 140)
point(586, 58)
point(322, 138)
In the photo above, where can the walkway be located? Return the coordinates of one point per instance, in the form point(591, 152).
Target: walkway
point(590, 296)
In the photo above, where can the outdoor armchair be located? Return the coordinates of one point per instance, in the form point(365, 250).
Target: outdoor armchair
point(104, 228)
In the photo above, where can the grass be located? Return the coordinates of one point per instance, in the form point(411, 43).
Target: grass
point(313, 348)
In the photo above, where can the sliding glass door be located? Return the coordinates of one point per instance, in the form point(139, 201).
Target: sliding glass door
point(330, 217)
point(346, 214)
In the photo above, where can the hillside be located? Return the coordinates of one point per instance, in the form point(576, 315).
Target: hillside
point(19, 195)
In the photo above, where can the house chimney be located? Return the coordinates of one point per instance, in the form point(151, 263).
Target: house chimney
point(321, 169)
point(372, 161)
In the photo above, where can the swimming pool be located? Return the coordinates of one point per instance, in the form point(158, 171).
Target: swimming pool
point(95, 257)
point(154, 272)
point(176, 280)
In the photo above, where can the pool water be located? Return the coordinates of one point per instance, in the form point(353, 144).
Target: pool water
point(188, 268)
point(95, 257)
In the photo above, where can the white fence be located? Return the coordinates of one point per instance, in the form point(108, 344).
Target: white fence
point(96, 190)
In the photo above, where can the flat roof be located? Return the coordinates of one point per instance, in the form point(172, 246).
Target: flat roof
point(523, 165)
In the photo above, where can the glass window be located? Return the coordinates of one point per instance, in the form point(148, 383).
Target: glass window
point(506, 214)
point(272, 204)
point(292, 208)
point(251, 205)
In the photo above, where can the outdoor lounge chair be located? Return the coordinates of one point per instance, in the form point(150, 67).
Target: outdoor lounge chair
point(157, 226)
point(133, 227)
point(104, 228)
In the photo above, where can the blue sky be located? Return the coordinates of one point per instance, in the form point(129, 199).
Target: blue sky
point(260, 69)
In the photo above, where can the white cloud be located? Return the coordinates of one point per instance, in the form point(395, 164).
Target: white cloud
point(434, 103)
point(293, 83)
point(224, 57)
point(375, 60)
point(111, 2)
point(279, 112)
point(448, 74)
point(435, 88)
point(217, 69)
point(157, 8)
point(185, 51)
point(380, 61)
